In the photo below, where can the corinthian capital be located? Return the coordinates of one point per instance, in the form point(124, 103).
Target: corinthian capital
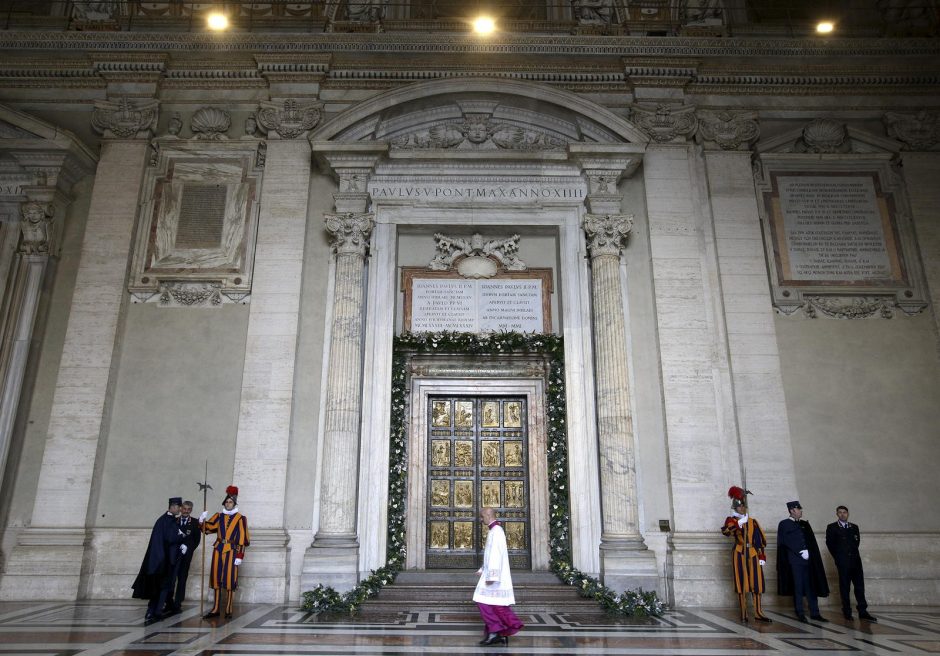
point(36, 225)
point(606, 233)
point(289, 119)
point(123, 118)
point(350, 232)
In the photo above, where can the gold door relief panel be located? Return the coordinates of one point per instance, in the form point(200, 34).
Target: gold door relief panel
point(478, 457)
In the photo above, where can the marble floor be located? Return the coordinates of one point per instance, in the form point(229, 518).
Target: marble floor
point(116, 627)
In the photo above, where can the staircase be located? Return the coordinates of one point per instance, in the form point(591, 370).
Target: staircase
point(452, 591)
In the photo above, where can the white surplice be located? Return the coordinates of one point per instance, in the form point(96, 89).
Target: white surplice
point(495, 585)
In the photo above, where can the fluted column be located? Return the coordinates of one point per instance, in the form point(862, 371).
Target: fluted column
point(350, 232)
point(606, 235)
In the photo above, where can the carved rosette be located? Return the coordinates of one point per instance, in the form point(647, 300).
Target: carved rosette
point(123, 119)
point(606, 233)
point(823, 136)
point(36, 226)
point(730, 130)
point(289, 119)
point(666, 123)
point(350, 231)
point(920, 131)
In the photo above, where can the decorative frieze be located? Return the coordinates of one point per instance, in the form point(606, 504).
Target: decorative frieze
point(920, 131)
point(481, 132)
point(729, 130)
point(191, 294)
point(289, 119)
point(125, 119)
point(666, 123)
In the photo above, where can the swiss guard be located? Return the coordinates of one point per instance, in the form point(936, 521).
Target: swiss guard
point(747, 556)
point(231, 529)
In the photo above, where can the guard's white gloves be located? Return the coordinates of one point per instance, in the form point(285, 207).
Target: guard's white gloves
point(742, 521)
point(238, 561)
point(184, 549)
point(762, 562)
point(805, 554)
point(203, 517)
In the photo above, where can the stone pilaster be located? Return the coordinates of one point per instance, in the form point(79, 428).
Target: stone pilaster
point(625, 561)
point(264, 422)
point(47, 561)
point(333, 559)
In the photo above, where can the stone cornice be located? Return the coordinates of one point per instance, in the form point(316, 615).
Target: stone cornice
point(620, 46)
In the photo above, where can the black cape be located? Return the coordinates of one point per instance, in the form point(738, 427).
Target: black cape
point(162, 554)
point(817, 573)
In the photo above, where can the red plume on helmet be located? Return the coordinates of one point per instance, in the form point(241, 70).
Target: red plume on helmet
point(232, 490)
point(738, 496)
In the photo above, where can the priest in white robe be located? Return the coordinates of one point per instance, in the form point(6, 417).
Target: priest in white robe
point(493, 593)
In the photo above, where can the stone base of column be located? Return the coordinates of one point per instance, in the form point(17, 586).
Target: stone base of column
point(46, 563)
point(628, 564)
point(334, 563)
point(261, 577)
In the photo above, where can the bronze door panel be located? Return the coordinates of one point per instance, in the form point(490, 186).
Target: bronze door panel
point(477, 457)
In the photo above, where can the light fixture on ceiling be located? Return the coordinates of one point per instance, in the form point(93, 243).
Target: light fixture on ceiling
point(217, 21)
point(484, 25)
point(825, 27)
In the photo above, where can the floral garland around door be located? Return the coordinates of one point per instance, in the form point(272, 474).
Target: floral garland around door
point(633, 603)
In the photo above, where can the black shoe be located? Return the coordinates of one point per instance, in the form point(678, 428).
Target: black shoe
point(228, 615)
point(803, 619)
point(863, 615)
point(818, 618)
point(149, 619)
point(848, 616)
point(494, 639)
point(761, 618)
point(210, 615)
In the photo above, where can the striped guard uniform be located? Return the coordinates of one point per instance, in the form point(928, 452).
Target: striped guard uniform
point(231, 540)
point(746, 570)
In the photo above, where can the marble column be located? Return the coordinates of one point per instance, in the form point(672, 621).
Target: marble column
point(625, 560)
point(333, 559)
point(47, 560)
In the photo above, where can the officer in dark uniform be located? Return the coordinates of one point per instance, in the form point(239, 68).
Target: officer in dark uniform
point(191, 535)
point(800, 569)
point(842, 540)
point(157, 571)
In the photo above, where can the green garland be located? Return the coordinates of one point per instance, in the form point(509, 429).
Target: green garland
point(634, 603)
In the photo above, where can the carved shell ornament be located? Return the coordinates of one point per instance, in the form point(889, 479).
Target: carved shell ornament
point(210, 123)
point(824, 136)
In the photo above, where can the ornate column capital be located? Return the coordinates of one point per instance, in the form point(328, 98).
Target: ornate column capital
point(729, 130)
point(350, 231)
point(124, 119)
point(666, 123)
point(289, 119)
point(606, 233)
point(920, 131)
point(37, 228)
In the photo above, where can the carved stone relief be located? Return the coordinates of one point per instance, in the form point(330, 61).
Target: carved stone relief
point(476, 258)
point(666, 123)
point(478, 131)
point(124, 119)
point(197, 224)
point(823, 136)
point(920, 131)
point(606, 233)
point(729, 130)
point(289, 119)
point(593, 12)
point(37, 228)
point(210, 123)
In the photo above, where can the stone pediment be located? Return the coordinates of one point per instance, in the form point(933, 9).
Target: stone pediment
point(480, 115)
point(824, 136)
